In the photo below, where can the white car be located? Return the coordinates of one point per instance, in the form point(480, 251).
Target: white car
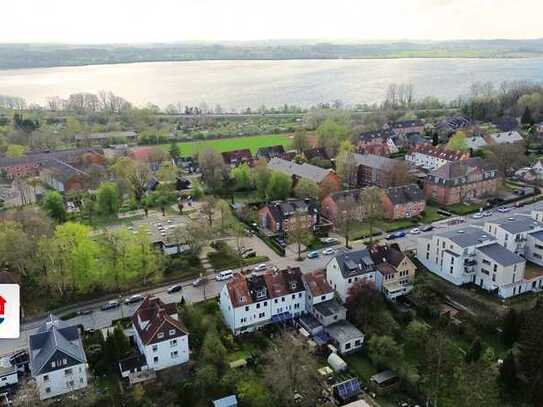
point(477, 215)
point(330, 240)
point(415, 231)
point(134, 299)
point(328, 252)
point(261, 267)
point(503, 209)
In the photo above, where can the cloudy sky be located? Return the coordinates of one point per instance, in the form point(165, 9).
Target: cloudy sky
point(113, 21)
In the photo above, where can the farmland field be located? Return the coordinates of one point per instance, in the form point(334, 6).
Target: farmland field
point(251, 142)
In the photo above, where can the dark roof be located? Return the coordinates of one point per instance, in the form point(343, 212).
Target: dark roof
point(454, 123)
point(404, 194)
point(271, 151)
point(316, 152)
point(402, 124)
point(281, 210)
point(62, 171)
point(355, 263)
point(369, 136)
point(352, 193)
point(329, 308)
point(55, 340)
point(506, 123)
point(154, 317)
point(236, 156)
point(374, 161)
point(386, 254)
point(501, 255)
point(133, 362)
point(462, 169)
point(284, 282)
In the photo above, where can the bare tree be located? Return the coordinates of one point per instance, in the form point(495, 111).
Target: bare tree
point(346, 217)
point(507, 157)
point(297, 231)
point(298, 382)
point(398, 174)
point(372, 207)
point(346, 167)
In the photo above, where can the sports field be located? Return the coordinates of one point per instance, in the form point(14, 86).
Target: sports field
point(251, 142)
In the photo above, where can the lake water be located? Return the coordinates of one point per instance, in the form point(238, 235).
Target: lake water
point(239, 84)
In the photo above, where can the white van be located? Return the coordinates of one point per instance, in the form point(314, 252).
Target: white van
point(224, 275)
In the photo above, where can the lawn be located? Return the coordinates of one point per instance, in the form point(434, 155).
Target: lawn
point(235, 143)
point(463, 208)
point(430, 215)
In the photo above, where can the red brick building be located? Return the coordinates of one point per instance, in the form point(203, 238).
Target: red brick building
point(403, 202)
point(461, 181)
point(277, 216)
point(329, 205)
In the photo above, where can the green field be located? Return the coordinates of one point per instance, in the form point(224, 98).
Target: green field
point(228, 144)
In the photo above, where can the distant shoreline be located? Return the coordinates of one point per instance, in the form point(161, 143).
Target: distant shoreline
point(371, 58)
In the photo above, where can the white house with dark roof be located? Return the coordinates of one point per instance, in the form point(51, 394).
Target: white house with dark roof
point(347, 269)
point(57, 359)
point(430, 158)
point(251, 302)
point(159, 334)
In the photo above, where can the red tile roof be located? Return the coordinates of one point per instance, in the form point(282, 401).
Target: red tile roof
point(317, 284)
point(153, 318)
point(439, 152)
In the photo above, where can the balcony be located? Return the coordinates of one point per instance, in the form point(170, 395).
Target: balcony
point(470, 262)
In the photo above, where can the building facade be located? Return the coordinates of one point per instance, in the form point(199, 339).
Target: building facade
point(430, 158)
point(403, 202)
point(348, 269)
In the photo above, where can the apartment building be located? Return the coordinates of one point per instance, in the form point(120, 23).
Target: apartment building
point(347, 269)
point(430, 158)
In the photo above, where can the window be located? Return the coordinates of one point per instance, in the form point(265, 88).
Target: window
point(48, 390)
point(45, 378)
point(323, 297)
point(155, 360)
point(299, 295)
point(283, 299)
point(261, 315)
point(160, 335)
point(172, 332)
point(173, 343)
point(257, 305)
point(64, 362)
point(68, 372)
point(53, 364)
point(293, 296)
point(495, 267)
point(350, 280)
point(276, 300)
point(493, 277)
point(70, 383)
point(174, 355)
point(357, 342)
point(155, 348)
point(265, 303)
point(485, 271)
point(247, 308)
point(348, 345)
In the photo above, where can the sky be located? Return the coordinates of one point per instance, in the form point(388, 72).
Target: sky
point(129, 21)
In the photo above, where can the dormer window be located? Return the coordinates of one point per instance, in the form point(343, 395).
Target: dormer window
point(172, 332)
point(261, 293)
point(160, 335)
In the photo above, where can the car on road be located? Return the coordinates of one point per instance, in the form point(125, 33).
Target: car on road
point(486, 214)
point(175, 288)
point(313, 255)
point(415, 231)
point(396, 235)
point(503, 209)
point(85, 312)
point(134, 299)
point(261, 267)
point(110, 305)
point(330, 240)
point(426, 228)
point(224, 275)
point(477, 215)
point(199, 281)
point(328, 252)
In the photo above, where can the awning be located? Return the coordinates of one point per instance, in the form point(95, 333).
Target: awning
point(283, 317)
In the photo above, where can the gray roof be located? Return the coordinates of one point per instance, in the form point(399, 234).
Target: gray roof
point(383, 376)
point(230, 401)
point(475, 142)
point(501, 255)
point(329, 308)
point(506, 137)
point(54, 336)
point(467, 237)
point(518, 224)
point(344, 331)
point(404, 194)
point(311, 172)
point(374, 161)
point(355, 263)
point(537, 235)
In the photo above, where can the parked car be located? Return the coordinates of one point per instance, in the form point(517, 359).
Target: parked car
point(488, 213)
point(199, 281)
point(395, 235)
point(503, 209)
point(134, 299)
point(427, 228)
point(110, 305)
point(477, 215)
point(247, 254)
point(415, 231)
point(313, 255)
point(85, 312)
point(175, 288)
point(224, 275)
point(328, 252)
point(261, 267)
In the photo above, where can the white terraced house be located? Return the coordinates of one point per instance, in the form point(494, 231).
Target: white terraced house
point(505, 256)
point(251, 302)
point(57, 359)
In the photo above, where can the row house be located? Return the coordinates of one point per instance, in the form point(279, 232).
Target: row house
point(403, 202)
point(161, 338)
point(461, 181)
point(238, 157)
point(373, 170)
point(404, 127)
point(250, 302)
point(429, 157)
point(379, 142)
point(58, 363)
point(348, 269)
point(277, 217)
point(395, 272)
point(326, 317)
point(326, 179)
point(331, 203)
point(270, 152)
